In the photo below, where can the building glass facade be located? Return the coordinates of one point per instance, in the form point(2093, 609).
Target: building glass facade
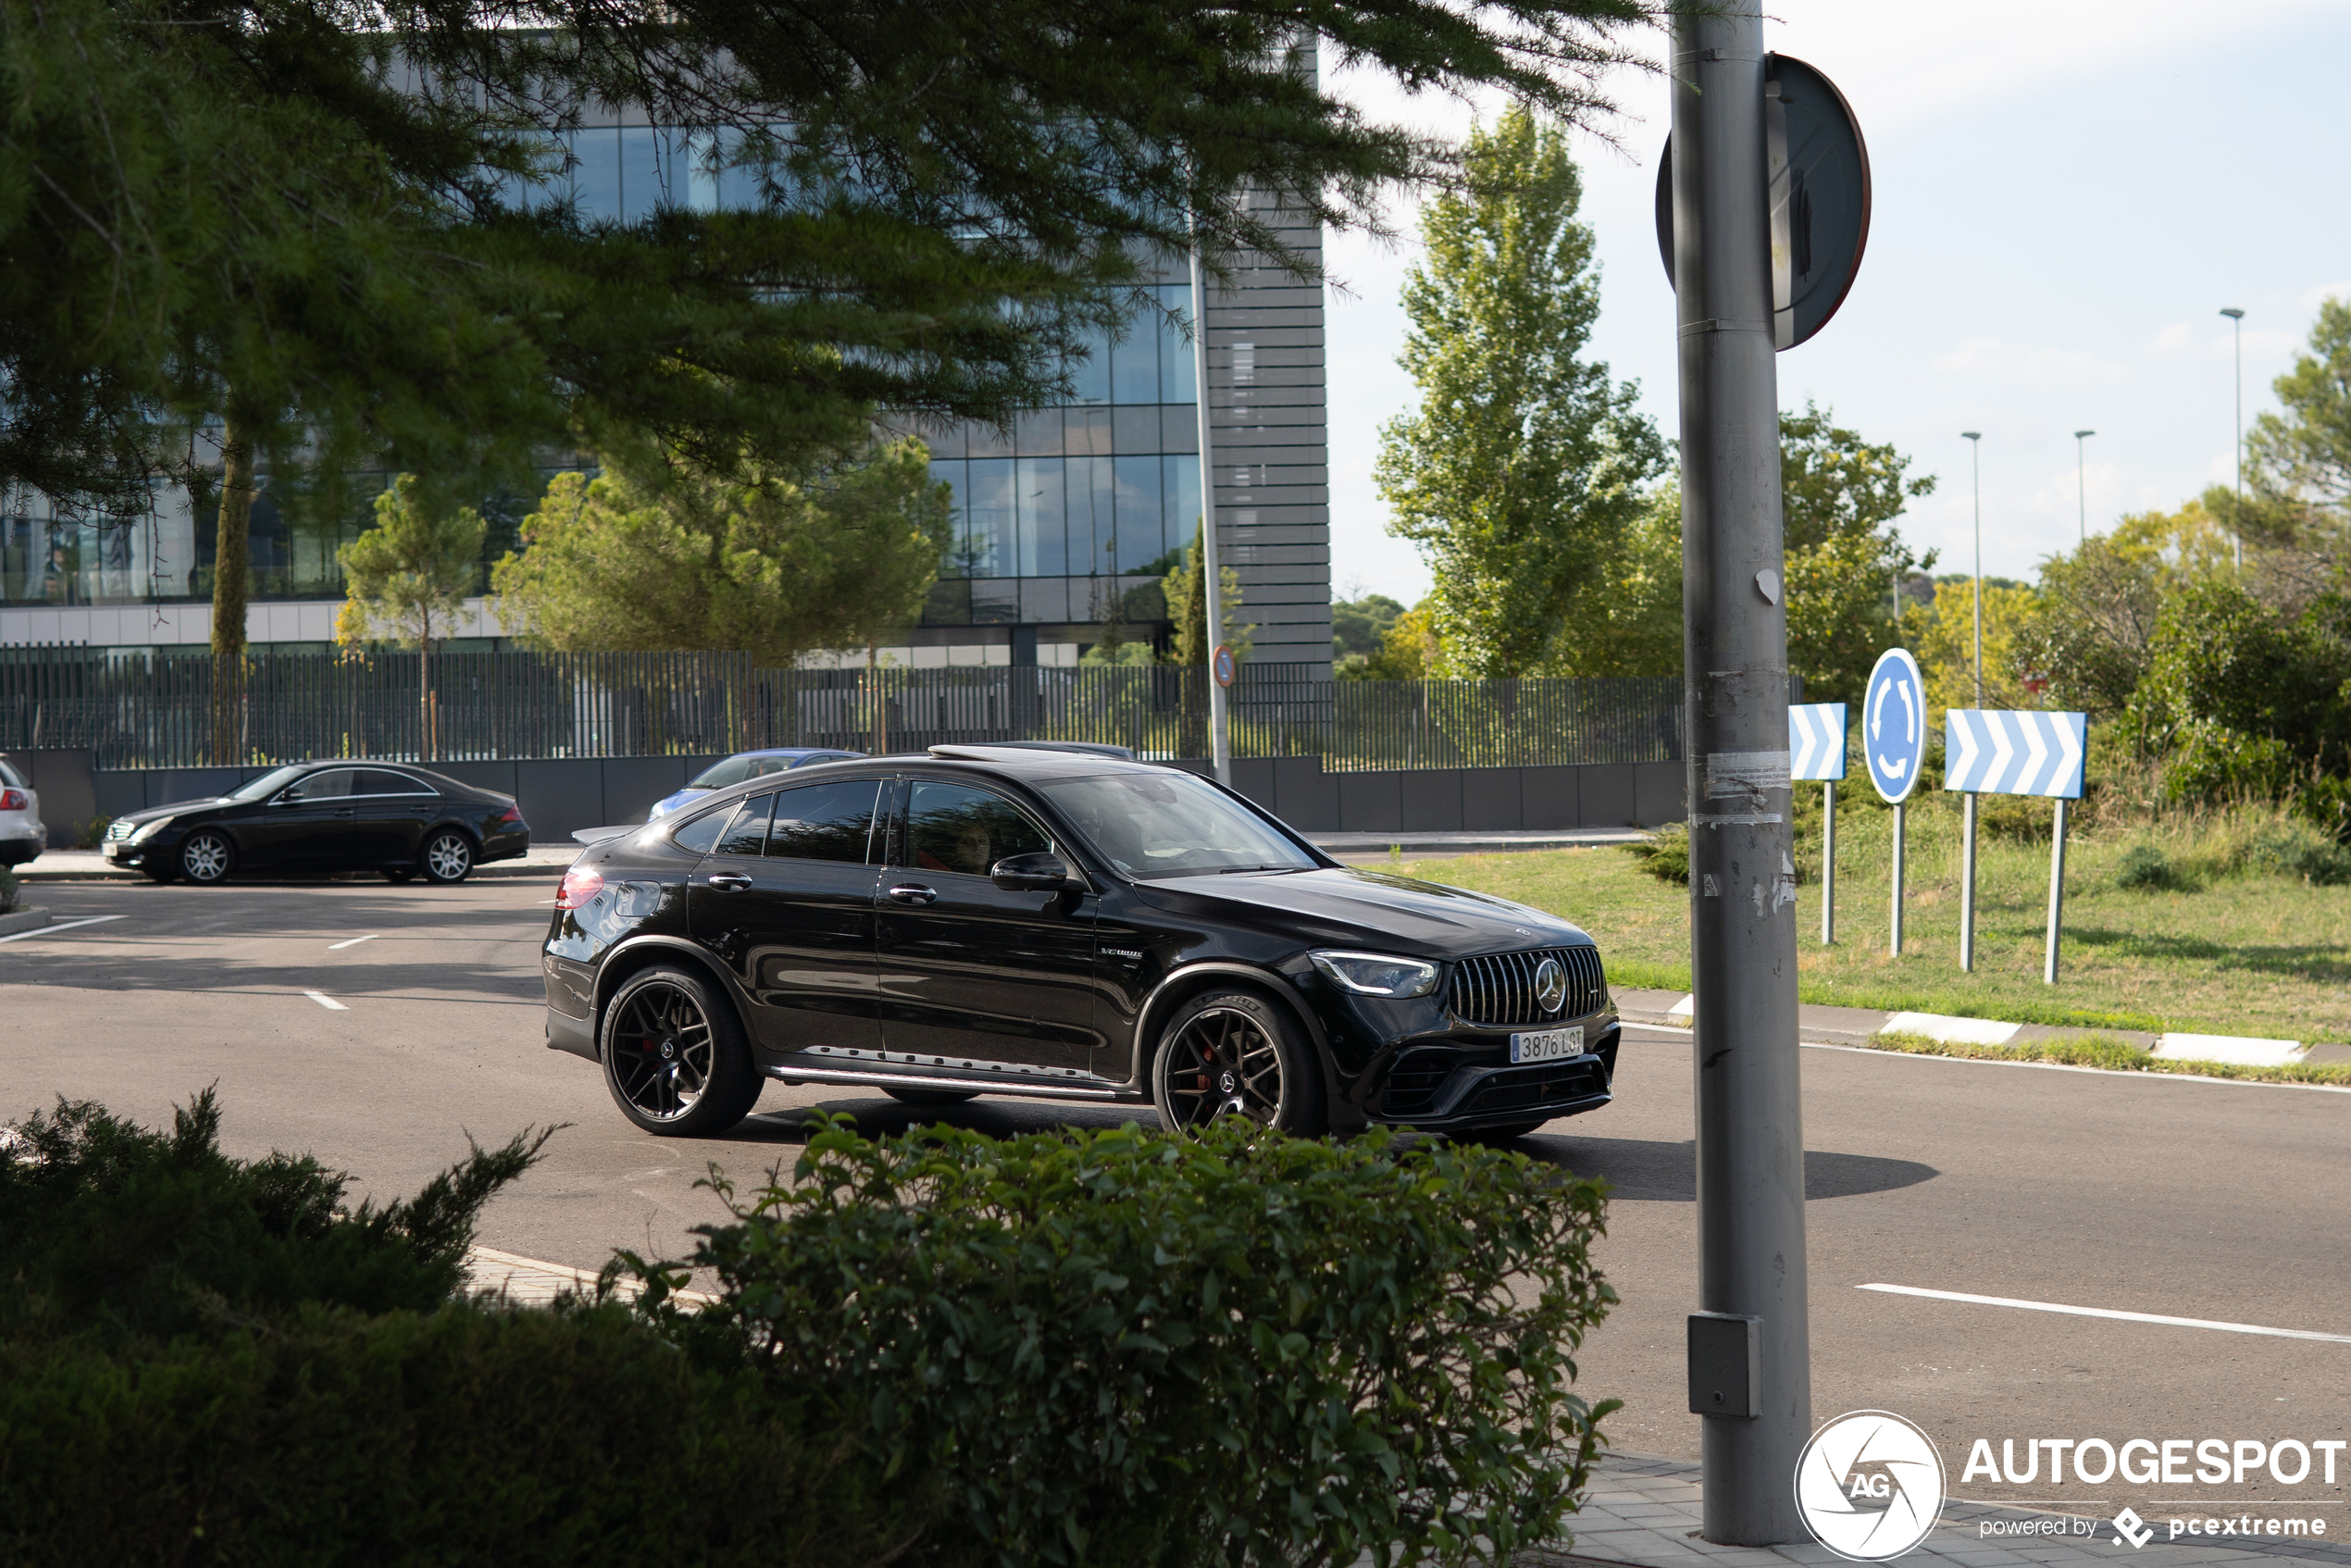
point(1061, 525)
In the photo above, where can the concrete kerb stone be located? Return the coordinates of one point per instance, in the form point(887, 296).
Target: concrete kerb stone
point(30, 919)
point(1857, 1026)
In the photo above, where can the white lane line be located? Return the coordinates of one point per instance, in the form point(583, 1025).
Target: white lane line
point(323, 999)
point(338, 947)
point(54, 927)
point(2106, 1312)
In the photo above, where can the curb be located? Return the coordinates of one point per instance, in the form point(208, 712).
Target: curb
point(24, 920)
point(1858, 1026)
point(126, 873)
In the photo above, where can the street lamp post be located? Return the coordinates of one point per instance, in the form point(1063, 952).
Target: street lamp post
point(2081, 479)
point(2236, 533)
point(1975, 450)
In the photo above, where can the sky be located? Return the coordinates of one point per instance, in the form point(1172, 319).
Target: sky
point(2066, 194)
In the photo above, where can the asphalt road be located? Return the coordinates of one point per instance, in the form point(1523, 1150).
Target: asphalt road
point(2173, 1197)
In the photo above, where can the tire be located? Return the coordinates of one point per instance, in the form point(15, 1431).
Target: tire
point(675, 1056)
point(206, 858)
point(447, 856)
point(930, 1096)
point(401, 874)
point(1237, 1052)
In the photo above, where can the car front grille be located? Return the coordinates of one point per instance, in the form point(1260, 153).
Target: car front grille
point(1500, 988)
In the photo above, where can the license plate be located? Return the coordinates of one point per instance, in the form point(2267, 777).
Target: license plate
point(1547, 1045)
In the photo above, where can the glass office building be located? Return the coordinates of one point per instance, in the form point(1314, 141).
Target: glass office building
point(1062, 525)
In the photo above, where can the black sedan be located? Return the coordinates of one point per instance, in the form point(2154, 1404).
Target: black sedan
point(318, 817)
point(992, 921)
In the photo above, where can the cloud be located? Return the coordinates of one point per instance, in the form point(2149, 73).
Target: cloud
point(2173, 338)
point(1995, 356)
point(2313, 298)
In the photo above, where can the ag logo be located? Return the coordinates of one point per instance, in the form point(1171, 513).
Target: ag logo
point(1869, 1486)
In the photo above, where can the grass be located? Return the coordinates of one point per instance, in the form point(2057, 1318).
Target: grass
point(2113, 1055)
point(2236, 943)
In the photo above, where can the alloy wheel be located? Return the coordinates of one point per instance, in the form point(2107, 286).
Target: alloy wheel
point(1222, 1063)
point(204, 858)
point(448, 857)
point(662, 1052)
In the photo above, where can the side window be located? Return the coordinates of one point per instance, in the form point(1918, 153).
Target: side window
point(700, 836)
point(955, 827)
point(825, 822)
point(11, 778)
point(749, 834)
point(332, 785)
point(373, 781)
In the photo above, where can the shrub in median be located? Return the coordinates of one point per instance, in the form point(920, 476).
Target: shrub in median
point(1126, 1347)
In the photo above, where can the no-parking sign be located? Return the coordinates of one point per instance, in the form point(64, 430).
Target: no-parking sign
point(1893, 725)
point(1220, 665)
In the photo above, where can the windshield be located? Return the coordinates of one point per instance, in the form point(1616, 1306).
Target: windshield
point(269, 784)
point(1171, 824)
point(734, 770)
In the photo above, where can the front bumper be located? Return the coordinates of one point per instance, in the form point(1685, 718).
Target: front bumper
point(1466, 1083)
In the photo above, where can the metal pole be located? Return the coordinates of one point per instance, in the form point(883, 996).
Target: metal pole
point(1828, 863)
point(2057, 897)
point(1975, 457)
point(1750, 1134)
point(2236, 534)
point(2081, 479)
point(1220, 749)
point(1967, 891)
point(1895, 945)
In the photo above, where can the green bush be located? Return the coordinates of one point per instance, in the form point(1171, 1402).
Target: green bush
point(108, 1230)
point(1666, 854)
point(2146, 868)
point(2295, 849)
point(1126, 1347)
point(462, 1437)
point(93, 834)
point(11, 890)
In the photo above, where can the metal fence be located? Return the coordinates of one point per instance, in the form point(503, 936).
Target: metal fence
point(155, 710)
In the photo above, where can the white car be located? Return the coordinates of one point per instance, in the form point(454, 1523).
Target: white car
point(22, 836)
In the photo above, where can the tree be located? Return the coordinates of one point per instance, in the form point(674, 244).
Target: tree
point(1358, 624)
point(330, 232)
point(1524, 466)
point(2302, 456)
point(1186, 589)
point(2091, 635)
point(1839, 496)
point(657, 552)
point(420, 561)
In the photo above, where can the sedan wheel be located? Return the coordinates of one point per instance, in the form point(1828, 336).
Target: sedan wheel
point(448, 856)
point(207, 857)
point(674, 1057)
point(1236, 1053)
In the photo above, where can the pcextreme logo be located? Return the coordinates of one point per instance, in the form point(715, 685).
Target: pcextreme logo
point(1869, 1486)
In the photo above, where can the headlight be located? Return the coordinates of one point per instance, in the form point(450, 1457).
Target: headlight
point(1377, 974)
point(149, 829)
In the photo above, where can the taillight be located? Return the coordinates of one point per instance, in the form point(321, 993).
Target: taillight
point(11, 800)
point(513, 818)
point(578, 887)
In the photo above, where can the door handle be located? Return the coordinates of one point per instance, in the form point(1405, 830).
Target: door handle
point(348, 811)
point(914, 892)
point(729, 882)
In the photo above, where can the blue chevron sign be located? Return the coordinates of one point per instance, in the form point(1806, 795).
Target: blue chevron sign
point(1816, 740)
point(2013, 752)
point(1893, 725)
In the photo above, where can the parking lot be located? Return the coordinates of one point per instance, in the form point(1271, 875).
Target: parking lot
point(379, 1025)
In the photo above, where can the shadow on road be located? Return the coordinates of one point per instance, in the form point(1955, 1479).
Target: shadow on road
point(1642, 1170)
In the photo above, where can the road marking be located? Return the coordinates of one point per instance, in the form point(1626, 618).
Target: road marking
point(56, 926)
point(2106, 1312)
point(323, 999)
point(2139, 1074)
point(337, 947)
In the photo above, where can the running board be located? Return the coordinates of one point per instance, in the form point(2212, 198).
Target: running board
point(1025, 1087)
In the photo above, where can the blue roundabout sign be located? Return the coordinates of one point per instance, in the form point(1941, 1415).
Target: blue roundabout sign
point(1893, 725)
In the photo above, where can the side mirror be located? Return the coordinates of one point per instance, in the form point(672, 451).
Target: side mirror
point(1039, 873)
